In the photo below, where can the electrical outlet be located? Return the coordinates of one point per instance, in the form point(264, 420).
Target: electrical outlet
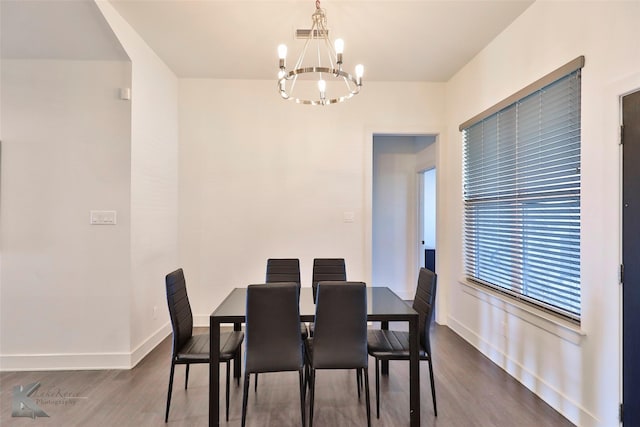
point(155, 311)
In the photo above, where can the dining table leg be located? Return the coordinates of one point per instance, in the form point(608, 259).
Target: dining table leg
point(214, 372)
point(237, 362)
point(384, 364)
point(414, 372)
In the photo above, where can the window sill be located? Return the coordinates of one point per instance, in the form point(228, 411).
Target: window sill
point(555, 325)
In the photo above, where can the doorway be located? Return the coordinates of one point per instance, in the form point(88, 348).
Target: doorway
point(427, 219)
point(398, 161)
point(630, 269)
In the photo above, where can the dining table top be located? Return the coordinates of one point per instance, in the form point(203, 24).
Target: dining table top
point(382, 304)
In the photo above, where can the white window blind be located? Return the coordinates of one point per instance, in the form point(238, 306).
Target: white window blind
point(522, 197)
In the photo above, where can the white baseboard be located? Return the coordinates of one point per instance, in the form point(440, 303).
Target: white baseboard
point(200, 321)
point(555, 398)
point(64, 361)
point(149, 344)
point(83, 361)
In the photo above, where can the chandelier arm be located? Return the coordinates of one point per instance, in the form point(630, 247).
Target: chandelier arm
point(347, 83)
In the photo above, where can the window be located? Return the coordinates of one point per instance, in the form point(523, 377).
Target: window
point(522, 194)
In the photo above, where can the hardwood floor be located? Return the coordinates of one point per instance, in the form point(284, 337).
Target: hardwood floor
point(471, 391)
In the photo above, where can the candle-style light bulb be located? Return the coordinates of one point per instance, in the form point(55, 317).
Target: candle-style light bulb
point(282, 51)
point(339, 45)
point(359, 73)
point(322, 87)
point(282, 54)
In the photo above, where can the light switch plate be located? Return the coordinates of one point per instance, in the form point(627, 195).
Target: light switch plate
point(102, 218)
point(348, 216)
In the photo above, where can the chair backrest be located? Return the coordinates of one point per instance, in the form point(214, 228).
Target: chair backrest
point(424, 303)
point(283, 270)
point(179, 309)
point(272, 333)
point(327, 269)
point(340, 335)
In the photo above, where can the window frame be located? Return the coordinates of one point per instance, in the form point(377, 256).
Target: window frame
point(472, 252)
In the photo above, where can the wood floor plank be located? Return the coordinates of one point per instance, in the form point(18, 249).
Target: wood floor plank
point(471, 391)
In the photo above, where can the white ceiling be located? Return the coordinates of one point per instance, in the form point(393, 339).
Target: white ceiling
point(419, 40)
point(51, 29)
point(415, 40)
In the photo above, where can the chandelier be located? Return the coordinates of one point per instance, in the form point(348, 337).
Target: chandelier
point(321, 82)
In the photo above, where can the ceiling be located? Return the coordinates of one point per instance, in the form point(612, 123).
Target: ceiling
point(52, 29)
point(415, 40)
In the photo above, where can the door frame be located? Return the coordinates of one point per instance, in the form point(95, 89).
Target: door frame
point(367, 222)
point(613, 119)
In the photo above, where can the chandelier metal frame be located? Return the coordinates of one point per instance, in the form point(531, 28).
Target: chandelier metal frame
point(320, 34)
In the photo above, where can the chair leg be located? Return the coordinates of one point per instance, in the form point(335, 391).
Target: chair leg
point(358, 381)
point(306, 381)
point(305, 361)
point(237, 363)
point(245, 395)
point(303, 387)
point(186, 377)
point(433, 388)
point(166, 415)
point(311, 396)
point(377, 388)
point(366, 394)
point(227, 391)
point(255, 386)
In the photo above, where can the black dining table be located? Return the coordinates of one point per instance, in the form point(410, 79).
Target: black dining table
point(383, 306)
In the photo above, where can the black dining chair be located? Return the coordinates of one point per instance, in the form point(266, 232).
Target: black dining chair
point(327, 269)
point(286, 270)
point(283, 270)
point(394, 345)
point(187, 348)
point(340, 339)
point(273, 342)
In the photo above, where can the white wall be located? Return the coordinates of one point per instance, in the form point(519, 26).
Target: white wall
point(154, 185)
point(65, 151)
point(578, 375)
point(76, 296)
point(261, 177)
